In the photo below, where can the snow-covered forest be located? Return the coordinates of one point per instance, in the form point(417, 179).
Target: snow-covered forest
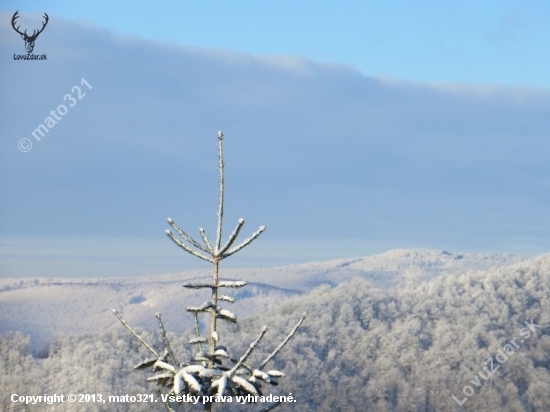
point(357, 130)
point(409, 347)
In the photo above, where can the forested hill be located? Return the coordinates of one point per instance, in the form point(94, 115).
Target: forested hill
point(409, 348)
point(40, 307)
point(413, 348)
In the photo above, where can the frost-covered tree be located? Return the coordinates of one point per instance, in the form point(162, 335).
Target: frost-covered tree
point(212, 372)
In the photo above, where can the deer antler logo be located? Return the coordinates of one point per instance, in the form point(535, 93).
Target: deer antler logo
point(29, 40)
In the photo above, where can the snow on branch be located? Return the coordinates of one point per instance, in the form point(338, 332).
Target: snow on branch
point(186, 237)
point(223, 284)
point(202, 308)
point(245, 385)
point(146, 364)
point(133, 332)
point(230, 284)
point(221, 191)
point(227, 298)
point(220, 383)
point(165, 338)
point(195, 341)
point(187, 248)
point(248, 352)
point(227, 316)
point(233, 236)
point(197, 331)
point(284, 342)
point(205, 240)
point(197, 285)
point(246, 242)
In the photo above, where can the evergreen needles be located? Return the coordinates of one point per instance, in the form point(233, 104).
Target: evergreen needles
point(212, 371)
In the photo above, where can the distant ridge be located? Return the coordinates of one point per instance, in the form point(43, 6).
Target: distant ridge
point(43, 306)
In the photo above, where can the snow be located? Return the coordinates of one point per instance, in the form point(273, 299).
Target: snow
point(164, 365)
point(178, 384)
point(193, 369)
point(146, 364)
point(165, 375)
point(43, 306)
point(227, 314)
point(196, 285)
point(222, 353)
point(190, 381)
point(228, 284)
point(204, 307)
point(197, 340)
point(220, 383)
point(247, 386)
point(261, 375)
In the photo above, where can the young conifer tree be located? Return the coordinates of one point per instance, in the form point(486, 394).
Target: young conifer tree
point(212, 371)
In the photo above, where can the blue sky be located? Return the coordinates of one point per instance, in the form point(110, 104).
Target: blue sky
point(491, 41)
point(349, 131)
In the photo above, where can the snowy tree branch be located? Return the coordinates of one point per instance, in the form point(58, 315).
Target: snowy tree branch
point(220, 201)
point(229, 284)
point(197, 331)
point(186, 237)
point(283, 343)
point(187, 248)
point(119, 316)
point(198, 285)
point(205, 240)
point(244, 243)
point(165, 339)
point(233, 236)
point(248, 352)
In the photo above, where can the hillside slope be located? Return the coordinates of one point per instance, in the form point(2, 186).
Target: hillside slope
point(409, 348)
point(413, 348)
point(42, 307)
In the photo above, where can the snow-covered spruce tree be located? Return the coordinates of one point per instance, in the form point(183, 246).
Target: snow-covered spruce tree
point(212, 371)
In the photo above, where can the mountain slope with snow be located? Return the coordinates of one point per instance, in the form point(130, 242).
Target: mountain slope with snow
point(444, 331)
point(42, 307)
